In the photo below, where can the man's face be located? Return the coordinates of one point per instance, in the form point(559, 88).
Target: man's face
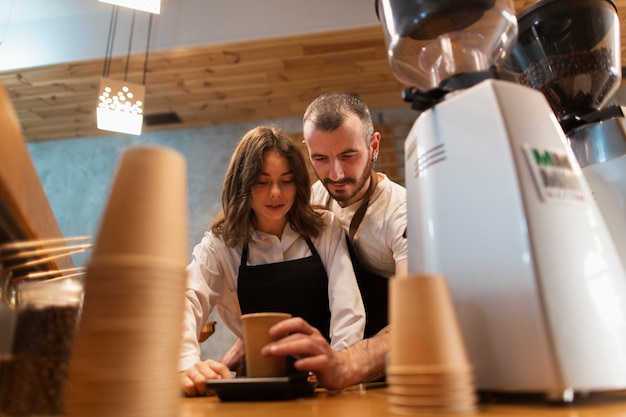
point(341, 159)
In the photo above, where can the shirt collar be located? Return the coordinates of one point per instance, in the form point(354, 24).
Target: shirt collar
point(288, 237)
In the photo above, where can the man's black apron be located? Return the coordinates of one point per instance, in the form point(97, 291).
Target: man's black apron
point(373, 287)
point(298, 287)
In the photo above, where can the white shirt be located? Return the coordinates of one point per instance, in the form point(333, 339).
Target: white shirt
point(212, 282)
point(380, 239)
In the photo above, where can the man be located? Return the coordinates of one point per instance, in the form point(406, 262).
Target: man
point(342, 145)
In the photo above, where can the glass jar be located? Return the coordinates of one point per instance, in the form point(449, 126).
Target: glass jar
point(8, 315)
point(47, 316)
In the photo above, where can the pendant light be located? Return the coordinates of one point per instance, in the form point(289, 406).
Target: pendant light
point(121, 102)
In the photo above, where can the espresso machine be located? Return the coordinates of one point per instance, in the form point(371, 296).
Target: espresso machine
point(570, 51)
point(498, 204)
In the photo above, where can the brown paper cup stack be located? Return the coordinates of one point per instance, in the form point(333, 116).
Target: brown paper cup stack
point(428, 370)
point(126, 352)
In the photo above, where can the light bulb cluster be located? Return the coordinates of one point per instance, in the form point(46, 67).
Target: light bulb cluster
point(122, 101)
point(120, 106)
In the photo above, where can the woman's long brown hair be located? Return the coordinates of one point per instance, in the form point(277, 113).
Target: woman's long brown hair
point(236, 218)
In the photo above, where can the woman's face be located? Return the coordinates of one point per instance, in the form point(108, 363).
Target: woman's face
point(274, 193)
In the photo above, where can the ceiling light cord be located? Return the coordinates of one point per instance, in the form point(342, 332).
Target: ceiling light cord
point(145, 61)
point(6, 25)
point(130, 45)
point(110, 40)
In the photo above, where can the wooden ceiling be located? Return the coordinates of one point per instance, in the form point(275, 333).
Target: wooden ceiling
point(216, 84)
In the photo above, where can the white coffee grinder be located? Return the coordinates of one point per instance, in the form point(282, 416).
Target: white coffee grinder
point(498, 203)
point(570, 51)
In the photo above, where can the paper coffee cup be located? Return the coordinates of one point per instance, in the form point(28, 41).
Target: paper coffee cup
point(255, 327)
point(424, 323)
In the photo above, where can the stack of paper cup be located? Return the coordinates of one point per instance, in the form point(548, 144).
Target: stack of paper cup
point(428, 369)
point(126, 351)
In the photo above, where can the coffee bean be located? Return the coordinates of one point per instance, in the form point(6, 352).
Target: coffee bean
point(41, 352)
point(577, 83)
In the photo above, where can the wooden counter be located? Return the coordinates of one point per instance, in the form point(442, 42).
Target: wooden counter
point(360, 402)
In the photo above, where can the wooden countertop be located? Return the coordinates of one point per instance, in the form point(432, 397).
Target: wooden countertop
point(361, 402)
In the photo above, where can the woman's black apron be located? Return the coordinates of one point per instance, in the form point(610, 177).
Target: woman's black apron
point(298, 287)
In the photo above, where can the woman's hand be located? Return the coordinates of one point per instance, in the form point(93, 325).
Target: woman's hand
point(193, 380)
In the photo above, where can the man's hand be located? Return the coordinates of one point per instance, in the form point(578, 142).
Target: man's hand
point(334, 370)
point(193, 380)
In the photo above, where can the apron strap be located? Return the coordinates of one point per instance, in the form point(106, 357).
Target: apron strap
point(244, 255)
point(360, 212)
point(311, 245)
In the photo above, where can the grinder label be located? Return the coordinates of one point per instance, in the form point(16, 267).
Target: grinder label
point(554, 175)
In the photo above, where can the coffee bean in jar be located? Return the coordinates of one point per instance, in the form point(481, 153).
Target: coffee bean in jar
point(47, 319)
point(575, 83)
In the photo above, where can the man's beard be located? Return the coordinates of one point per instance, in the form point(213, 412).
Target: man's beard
point(343, 198)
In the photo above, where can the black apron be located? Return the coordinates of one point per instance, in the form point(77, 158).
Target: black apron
point(298, 287)
point(374, 292)
point(373, 287)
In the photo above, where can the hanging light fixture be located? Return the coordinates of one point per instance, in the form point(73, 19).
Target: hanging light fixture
point(120, 104)
point(152, 6)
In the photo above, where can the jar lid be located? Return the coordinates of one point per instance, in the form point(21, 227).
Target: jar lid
point(53, 292)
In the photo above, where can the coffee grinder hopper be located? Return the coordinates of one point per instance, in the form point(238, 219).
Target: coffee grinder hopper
point(570, 51)
point(436, 47)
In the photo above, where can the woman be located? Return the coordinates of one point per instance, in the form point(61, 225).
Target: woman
point(269, 250)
